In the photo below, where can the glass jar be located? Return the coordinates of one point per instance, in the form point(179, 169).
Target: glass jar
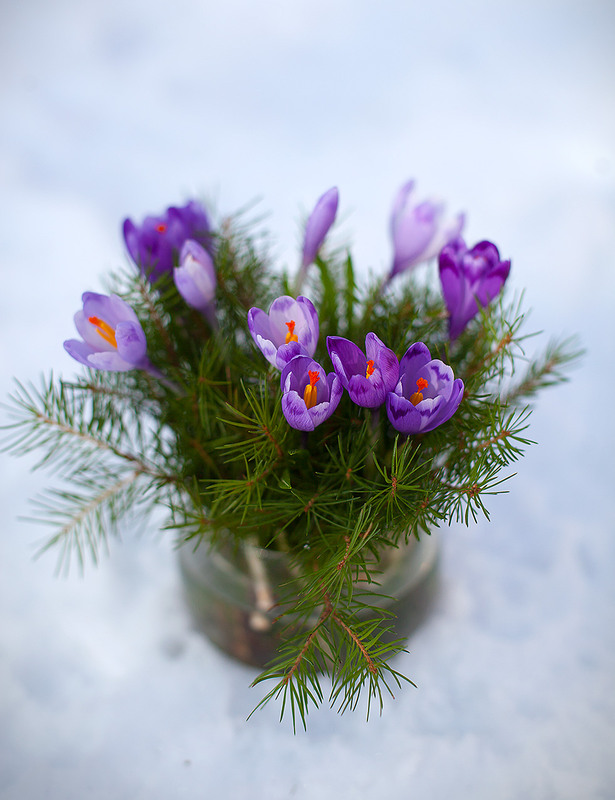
point(234, 592)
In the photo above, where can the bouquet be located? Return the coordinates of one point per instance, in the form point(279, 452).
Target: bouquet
point(311, 413)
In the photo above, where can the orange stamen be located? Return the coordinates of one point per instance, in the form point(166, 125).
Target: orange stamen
point(370, 368)
point(291, 336)
point(309, 393)
point(104, 329)
point(161, 227)
point(418, 396)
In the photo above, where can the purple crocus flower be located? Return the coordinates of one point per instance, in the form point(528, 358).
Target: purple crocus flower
point(469, 278)
point(195, 278)
point(367, 377)
point(318, 224)
point(113, 338)
point(418, 230)
point(155, 244)
point(310, 395)
point(426, 395)
point(288, 330)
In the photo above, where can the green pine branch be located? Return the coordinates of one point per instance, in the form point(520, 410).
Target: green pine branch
point(209, 442)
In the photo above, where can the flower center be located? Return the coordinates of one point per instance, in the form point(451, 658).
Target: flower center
point(104, 329)
point(370, 368)
point(161, 227)
point(309, 393)
point(291, 336)
point(418, 395)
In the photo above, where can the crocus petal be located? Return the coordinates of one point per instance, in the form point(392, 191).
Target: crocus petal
point(296, 412)
point(418, 230)
point(415, 357)
point(195, 278)
point(283, 310)
point(430, 411)
point(367, 392)
point(453, 286)
point(384, 358)
point(112, 362)
point(438, 393)
point(150, 245)
point(297, 369)
point(259, 324)
point(302, 312)
point(469, 279)
point(260, 329)
point(490, 286)
point(131, 343)
point(347, 358)
point(319, 222)
point(334, 392)
point(79, 350)
point(287, 352)
point(438, 375)
point(351, 366)
point(270, 331)
point(193, 221)
point(446, 410)
point(193, 251)
point(410, 419)
point(413, 233)
point(189, 289)
point(89, 333)
point(131, 238)
point(456, 396)
point(401, 199)
point(322, 411)
point(268, 349)
point(111, 308)
point(154, 245)
point(113, 338)
point(402, 415)
point(309, 338)
point(295, 376)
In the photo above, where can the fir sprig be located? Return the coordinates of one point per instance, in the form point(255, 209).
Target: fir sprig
point(204, 435)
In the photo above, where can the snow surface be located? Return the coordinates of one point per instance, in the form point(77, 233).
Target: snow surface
point(506, 109)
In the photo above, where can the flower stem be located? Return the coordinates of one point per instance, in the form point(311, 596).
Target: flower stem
point(156, 373)
point(262, 588)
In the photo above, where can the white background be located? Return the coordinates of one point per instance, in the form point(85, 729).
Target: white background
point(504, 109)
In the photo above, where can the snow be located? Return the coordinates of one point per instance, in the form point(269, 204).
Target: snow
point(505, 110)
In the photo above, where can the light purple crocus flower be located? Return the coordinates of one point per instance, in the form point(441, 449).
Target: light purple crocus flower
point(155, 244)
point(288, 330)
point(418, 230)
point(310, 395)
point(319, 222)
point(426, 395)
point(366, 376)
point(113, 338)
point(195, 278)
point(469, 278)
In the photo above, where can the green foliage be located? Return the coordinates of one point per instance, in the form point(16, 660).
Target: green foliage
point(212, 445)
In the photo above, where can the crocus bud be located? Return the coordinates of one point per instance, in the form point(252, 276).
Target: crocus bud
point(318, 225)
point(195, 278)
point(418, 230)
point(469, 278)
